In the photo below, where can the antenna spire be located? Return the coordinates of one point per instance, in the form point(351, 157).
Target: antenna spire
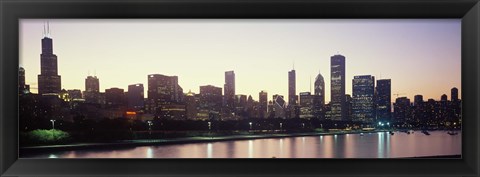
point(48, 29)
point(44, 30)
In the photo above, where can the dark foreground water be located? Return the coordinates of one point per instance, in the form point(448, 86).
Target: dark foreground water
point(368, 145)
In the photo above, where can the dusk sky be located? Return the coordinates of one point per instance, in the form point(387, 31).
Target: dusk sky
point(420, 56)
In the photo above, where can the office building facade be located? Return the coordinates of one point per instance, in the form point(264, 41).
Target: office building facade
point(337, 87)
point(384, 100)
point(229, 93)
point(135, 97)
point(363, 105)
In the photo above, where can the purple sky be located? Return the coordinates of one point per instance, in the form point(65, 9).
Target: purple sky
point(421, 56)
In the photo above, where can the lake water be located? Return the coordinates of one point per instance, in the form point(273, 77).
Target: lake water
point(368, 145)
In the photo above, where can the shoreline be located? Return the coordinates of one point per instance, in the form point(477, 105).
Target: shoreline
point(171, 141)
point(25, 152)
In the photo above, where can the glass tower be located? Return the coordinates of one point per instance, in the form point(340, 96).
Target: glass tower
point(337, 87)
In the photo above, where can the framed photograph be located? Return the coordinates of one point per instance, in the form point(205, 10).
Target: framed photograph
point(239, 88)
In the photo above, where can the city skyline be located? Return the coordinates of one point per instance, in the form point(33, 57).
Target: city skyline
point(247, 79)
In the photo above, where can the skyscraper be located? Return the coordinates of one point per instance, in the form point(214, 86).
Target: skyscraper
point(320, 88)
point(135, 97)
point(278, 106)
point(22, 87)
point(306, 105)
point(292, 97)
point(263, 99)
point(229, 93)
point(319, 97)
point(384, 99)
point(417, 100)
point(444, 107)
point(431, 110)
point(454, 94)
point(456, 111)
point(21, 80)
point(348, 106)
point(444, 97)
point(191, 105)
point(337, 87)
point(418, 108)
point(292, 110)
point(402, 110)
point(115, 98)
point(92, 89)
point(49, 82)
point(92, 84)
point(241, 106)
point(363, 98)
point(211, 100)
point(253, 108)
point(163, 90)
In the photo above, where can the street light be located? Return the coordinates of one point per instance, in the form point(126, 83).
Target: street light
point(53, 123)
point(250, 125)
point(149, 125)
point(281, 126)
point(303, 125)
point(209, 129)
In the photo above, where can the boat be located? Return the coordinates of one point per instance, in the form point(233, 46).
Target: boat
point(425, 132)
point(452, 133)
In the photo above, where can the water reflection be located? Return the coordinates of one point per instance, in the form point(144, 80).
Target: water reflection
point(281, 148)
point(329, 147)
point(149, 152)
point(250, 148)
point(375, 145)
point(209, 150)
point(380, 144)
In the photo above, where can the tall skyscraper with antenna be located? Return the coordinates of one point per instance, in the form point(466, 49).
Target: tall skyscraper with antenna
point(293, 110)
point(292, 97)
point(49, 82)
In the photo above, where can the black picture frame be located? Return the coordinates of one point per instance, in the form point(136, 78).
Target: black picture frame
point(13, 10)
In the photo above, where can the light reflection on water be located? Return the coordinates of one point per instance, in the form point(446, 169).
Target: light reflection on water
point(149, 152)
point(370, 145)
